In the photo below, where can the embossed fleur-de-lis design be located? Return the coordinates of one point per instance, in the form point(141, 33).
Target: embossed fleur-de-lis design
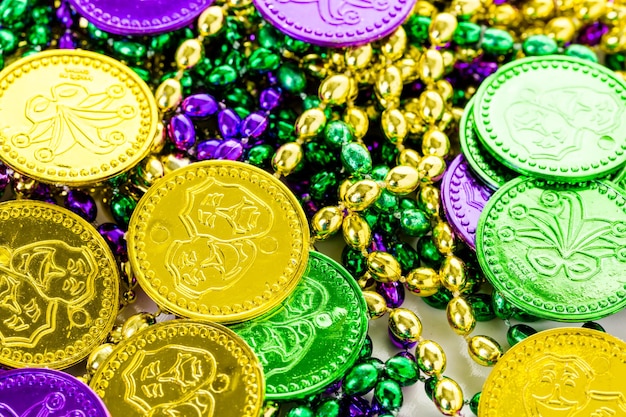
point(562, 240)
point(71, 116)
point(343, 12)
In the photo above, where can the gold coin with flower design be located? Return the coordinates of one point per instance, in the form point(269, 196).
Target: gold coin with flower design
point(74, 117)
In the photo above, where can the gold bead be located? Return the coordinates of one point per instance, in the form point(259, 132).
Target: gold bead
point(504, 15)
point(395, 45)
point(394, 125)
point(189, 53)
point(359, 57)
point(562, 29)
point(376, 304)
point(287, 158)
point(402, 179)
point(538, 9)
point(424, 8)
point(150, 170)
point(326, 222)
point(429, 199)
point(383, 266)
point(408, 69)
point(448, 396)
point(452, 273)
point(409, 157)
point(414, 121)
point(430, 357)
point(211, 21)
point(435, 142)
point(172, 162)
point(357, 118)
point(590, 10)
point(449, 58)
point(136, 323)
point(314, 64)
point(335, 89)
point(614, 40)
point(168, 94)
point(239, 4)
point(389, 83)
point(460, 316)
point(344, 186)
point(98, 356)
point(431, 106)
point(443, 237)
point(446, 119)
point(445, 89)
point(430, 66)
point(356, 231)
point(405, 325)
point(431, 168)
point(484, 350)
point(466, 8)
point(361, 195)
point(442, 28)
point(159, 140)
point(423, 281)
point(310, 123)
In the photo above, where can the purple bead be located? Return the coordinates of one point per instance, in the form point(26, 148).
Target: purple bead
point(114, 236)
point(199, 105)
point(378, 243)
point(254, 125)
point(5, 178)
point(310, 208)
point(181, 132)
point(206, 150)
point(82, 204)
point(333, 388)
point(64, 14)
point(476, 70)
point(408, 355)
point(400, 344)
point(392, 292)
point(228, 122)
point(269, 99)
point(357, 407)
point(592, 34)
point(67, 41)
point(229, 149)
point(499, 2)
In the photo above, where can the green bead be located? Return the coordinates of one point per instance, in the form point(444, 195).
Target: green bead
point(594, 326)
point(582, 52)
point(133, 52)
point(417, 29)
point(8, 41)
point(356, 159)
point(361, 379)
point(160, 42)
point(242, 112)
point(260, 155)
point(414, 222)
point(406, 255)
point(144, 74)
point(354, 261)
point(428, 253)
point(263, 59)
point(204, 67)
point(223, 75)
point(122, 207)
point(372, 217)
point(388, 153)
point(407, 203)
point(12, 11)
point(521, 315)
point(323, 185)
point(482, 306)
point(429, 386)
point(295, 45)
point(388, 393)
point(1, 66)
point(29, 52)
point(539, 45)
point(402, 370)
point(467, 33)
point(96, 34)
point(233, 30)
point(519, 332)
point(387, 202)
point(338, 133)
point(439, 300)
point(42, 15)
point(311, 102)
point(497, 41)
point(270, 38)
point(501, 307)
point(379, 172)
point(388, 223)
point(238, 97)
point(474, 403)
point(291, 78)
point(616, 62)
point(235, 60)
point(329, 408)
point(366, 349)
point(318, 155)
point(300, 411)
point(39, 35)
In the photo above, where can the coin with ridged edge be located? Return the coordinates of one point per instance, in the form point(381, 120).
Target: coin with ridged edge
point(573, 372)
point(74, 117)
point(181, 368)
point(218, 240)
point(59, 286)
point(314, 336)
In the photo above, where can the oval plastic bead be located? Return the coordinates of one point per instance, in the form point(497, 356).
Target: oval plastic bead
point(357, 118)
point(361, 195)
point(431, 106)
point(356, 231)
point(189, 53)
point(402, 370)
point(395, 45)
point(356, 158)
point(98, 356)
point(423, 281)
point(168, 94)
point(430, 65)
point(211, 21)
point(519, 332)
point(442, 28)
point(443, 237)
point(335, 89)
point(137, 322)
point(431, 358)
point(287, 158)
point(326, 222)
point(448, 396)
point(389, 83)
point(405, 325)
point(383, 266)
point(376, 304)
point(394, 125)
point(452, 273)
point(460, 316)
point(409, 157)
point(435, 142)
point(388, 394)
point(402, 179)
point(361, 379)
point(484, 350)
point(310, 123)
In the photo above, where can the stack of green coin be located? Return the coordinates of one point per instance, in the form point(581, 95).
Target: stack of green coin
point(552, 240)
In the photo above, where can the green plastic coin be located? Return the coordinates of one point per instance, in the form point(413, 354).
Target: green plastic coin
point(554, 117)
point(492, 173)
point(556, 251)
point(315, 335)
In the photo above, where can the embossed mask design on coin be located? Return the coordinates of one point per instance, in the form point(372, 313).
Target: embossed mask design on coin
point(223, 222)
point(89, 118)
point(186, 376)
point(561, 240)
point(294, 328)
point(34, 280)
point(343, 12)
point(53, 405)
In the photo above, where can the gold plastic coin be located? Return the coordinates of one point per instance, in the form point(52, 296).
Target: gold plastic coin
point(218, 240)
point(181, 368)
point(562, 372)
point(74, 117)
point(59, 286)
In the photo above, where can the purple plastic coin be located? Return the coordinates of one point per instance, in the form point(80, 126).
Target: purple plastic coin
point(140, 17)
point(335, 23)
point(34, 392)
point(464, 197)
